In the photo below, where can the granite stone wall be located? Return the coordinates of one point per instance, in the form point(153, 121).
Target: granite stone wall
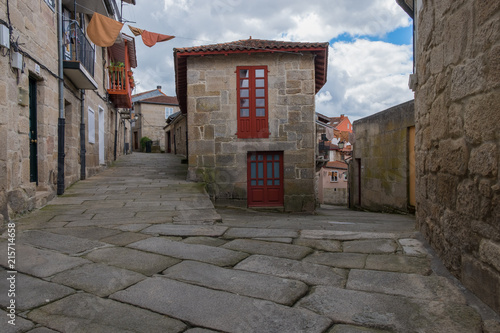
point(219, 158)
point(381, 146)
point(457, 106)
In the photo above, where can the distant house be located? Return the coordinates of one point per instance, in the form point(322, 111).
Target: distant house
point(176, 134)
point(341, 124)
point(333, 183)
point(250, 107)
point(152, 109)
point(334, 134)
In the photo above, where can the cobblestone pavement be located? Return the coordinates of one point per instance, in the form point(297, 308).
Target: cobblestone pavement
point(138, 249)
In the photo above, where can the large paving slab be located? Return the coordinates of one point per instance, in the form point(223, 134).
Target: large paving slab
point(392, 313)
point(199, 330)
point(398, 263)
point(260, 233)
point(354, 329)
point(209, 254)
point(30, 292)
point(340, 260)
point(210, 241)
point(134, 260)
point(279, 290)
point(124, 238)
point(320, 244)
point(98, 279)
point(20, 324)
point(219, 310)
point(268, 248)
point(197, 216)
point(42, 330)
point(292, 269)
point(352, 235)
point(435, 288)
point(62, 243)
point(94, 233)
point(186, 230)
point(375, 246)
point(84, 313)
point(40, 262)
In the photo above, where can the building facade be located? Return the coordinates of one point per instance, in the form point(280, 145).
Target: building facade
point(333, 183)
point(52, 135)
point(250, 109)
point(457, 111)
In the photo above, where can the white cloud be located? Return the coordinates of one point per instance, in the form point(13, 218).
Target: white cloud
point(366, 77)
point(363, 76)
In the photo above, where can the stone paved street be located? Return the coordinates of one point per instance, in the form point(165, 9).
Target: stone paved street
point(136, 248)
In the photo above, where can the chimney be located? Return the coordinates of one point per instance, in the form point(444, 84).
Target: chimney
point(158, 87)
point(341, 116)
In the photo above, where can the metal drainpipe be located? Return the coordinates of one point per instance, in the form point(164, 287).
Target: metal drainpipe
point(116, 131)
point(61, 121)
point(83, 164)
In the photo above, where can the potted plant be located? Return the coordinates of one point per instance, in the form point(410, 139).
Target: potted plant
point(116, 71)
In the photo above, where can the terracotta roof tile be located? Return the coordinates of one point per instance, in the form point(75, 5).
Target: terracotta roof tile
point(336, 165)
point(160, 100)
point(250, 44)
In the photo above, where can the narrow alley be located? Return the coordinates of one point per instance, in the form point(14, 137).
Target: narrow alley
point(137, 248)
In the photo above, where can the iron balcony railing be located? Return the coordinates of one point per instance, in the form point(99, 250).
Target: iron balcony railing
point(77, 47)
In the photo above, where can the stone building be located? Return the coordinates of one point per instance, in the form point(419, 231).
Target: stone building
point(457, 120)
point(250, 108)
point(152, 111)
point(383, 165)
point(176, 134)
point(333, 183)
point(52, 135)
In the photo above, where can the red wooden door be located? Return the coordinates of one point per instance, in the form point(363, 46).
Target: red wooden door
point(265, 179)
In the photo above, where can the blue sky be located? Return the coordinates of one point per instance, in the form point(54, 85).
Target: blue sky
point(399, 36)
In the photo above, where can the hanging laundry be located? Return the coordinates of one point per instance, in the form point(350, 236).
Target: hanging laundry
point(103, 30)
point(151, 38)
point(136, 31)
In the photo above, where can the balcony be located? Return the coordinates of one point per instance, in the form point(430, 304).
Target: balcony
point(120, 80)
point(79, 56)
point(120, 86)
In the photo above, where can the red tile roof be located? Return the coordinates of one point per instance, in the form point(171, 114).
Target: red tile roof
point(336, 165)
point(160, 100)
point(247, 46)
point(252, 45)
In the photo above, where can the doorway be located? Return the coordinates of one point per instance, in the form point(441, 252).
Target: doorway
point(101, 136)
point(33, 133)
point(265, 179)
point(169, 143)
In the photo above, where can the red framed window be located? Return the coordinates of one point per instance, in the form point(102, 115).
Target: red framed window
point(252, 102)
point(265, 179)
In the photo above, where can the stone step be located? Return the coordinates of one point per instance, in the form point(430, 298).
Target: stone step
point(43, 197)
